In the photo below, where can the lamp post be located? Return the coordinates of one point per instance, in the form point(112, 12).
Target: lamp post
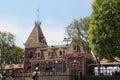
point(56, 62)
point(35, 77)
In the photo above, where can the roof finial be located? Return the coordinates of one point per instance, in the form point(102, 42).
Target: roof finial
point(38, 22)
point(38, 14)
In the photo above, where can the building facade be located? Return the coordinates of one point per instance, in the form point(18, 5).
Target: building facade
point(62, 59)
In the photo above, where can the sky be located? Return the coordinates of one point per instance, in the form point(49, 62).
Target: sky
point(19, 16)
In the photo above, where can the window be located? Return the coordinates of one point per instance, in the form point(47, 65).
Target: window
point(41, 67)
point(49, 54)
point(60, 53)
point(31, 54)
point(53, 54)
point(76, 48)
point(38, 55)
point(60, 67)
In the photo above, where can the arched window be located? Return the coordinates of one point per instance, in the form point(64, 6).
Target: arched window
point(60, 53)
point(31, 54)
point(53, 54)
point(49, 54)
point(38, 55)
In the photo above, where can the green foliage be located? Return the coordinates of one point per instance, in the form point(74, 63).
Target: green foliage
point(78, 31)
point(12, 54)
point(104, 29)
point(9, 52)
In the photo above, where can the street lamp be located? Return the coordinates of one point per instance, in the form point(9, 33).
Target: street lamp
point(75, 63)
point(35, 77)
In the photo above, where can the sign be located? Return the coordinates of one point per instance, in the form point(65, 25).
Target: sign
point(74, 63)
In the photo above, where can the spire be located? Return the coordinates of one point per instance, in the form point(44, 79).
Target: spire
point(38, 15)
point(36, 38)
point(37, 21)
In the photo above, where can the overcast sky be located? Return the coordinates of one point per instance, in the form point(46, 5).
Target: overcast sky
point(18, 17)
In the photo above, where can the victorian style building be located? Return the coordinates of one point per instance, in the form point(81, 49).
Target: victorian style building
point(56, 59)
point(60, 59)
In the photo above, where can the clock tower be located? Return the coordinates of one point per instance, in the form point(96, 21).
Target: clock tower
point(35, 40)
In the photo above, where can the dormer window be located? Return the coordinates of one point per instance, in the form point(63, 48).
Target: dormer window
point(76, 48)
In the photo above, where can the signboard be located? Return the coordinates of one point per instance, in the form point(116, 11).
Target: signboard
point(74, 63)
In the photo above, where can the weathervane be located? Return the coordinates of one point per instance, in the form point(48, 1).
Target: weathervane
point(38, 16)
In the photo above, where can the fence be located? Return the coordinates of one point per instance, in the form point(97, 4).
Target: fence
point(100, 78)
point(58, 77)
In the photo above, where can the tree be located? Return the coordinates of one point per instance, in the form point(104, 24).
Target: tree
point(13, 55)
point(78, 31)
point(104, 29)
point(9, 52)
